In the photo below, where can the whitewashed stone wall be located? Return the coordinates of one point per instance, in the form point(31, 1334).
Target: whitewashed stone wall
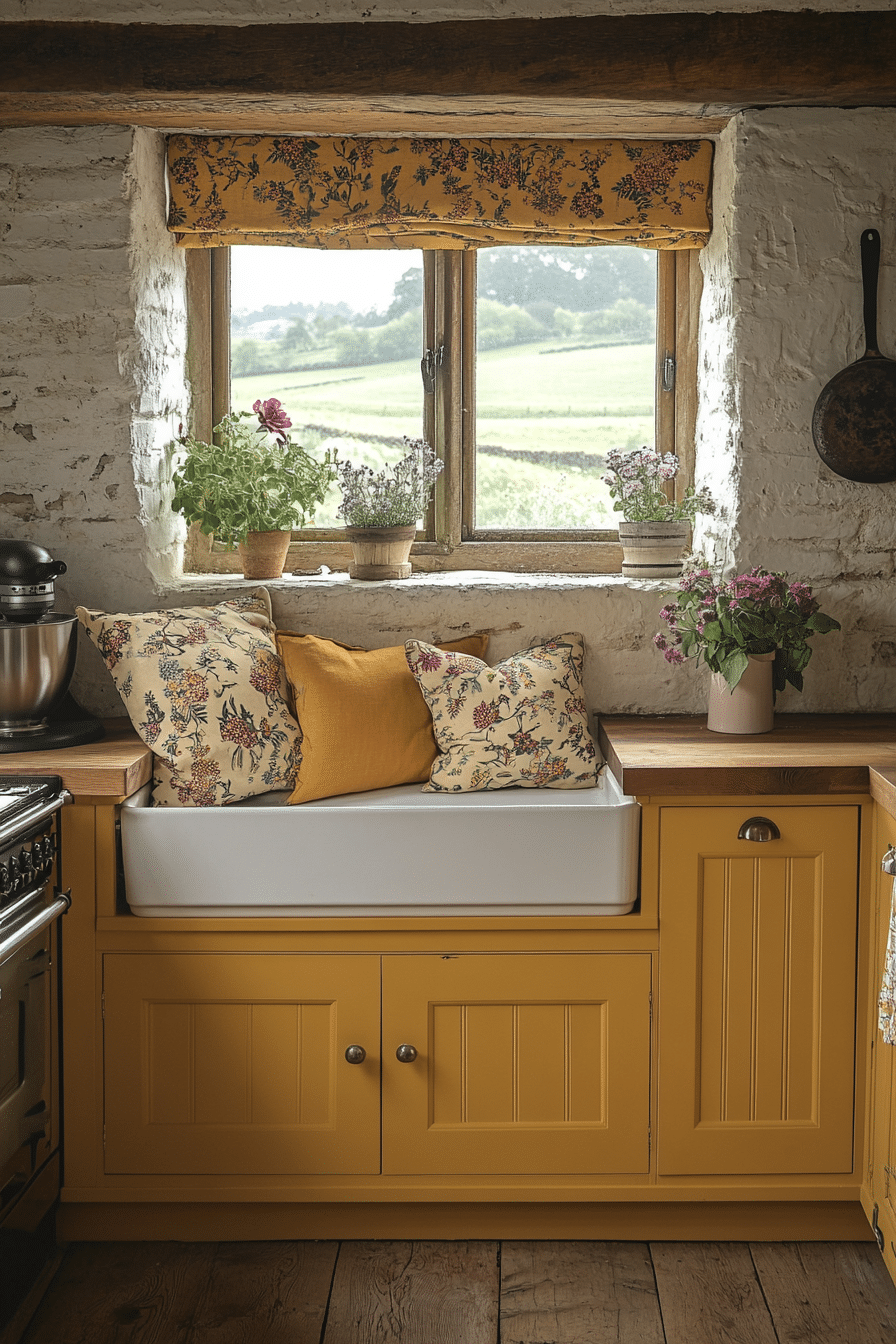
point(92, 384)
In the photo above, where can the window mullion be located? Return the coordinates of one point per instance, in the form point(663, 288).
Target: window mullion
point(468, 389)
point(448, 398)
point(665, 348)
point(430, 432)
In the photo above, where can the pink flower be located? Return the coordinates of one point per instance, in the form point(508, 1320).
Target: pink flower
point(272, 416)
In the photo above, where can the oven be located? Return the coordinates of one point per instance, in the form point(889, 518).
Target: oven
point(31, 906)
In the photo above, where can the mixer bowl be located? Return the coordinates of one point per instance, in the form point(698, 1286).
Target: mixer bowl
point(37, 661)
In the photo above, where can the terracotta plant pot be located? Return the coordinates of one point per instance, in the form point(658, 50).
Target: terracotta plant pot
point(750, 707)
point(653, 550)
point(264, 554)
point(380, 552)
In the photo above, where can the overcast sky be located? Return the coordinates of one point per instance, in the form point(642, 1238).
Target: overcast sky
point(278, 275)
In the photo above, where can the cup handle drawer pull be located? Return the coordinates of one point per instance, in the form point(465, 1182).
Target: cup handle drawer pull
point(759, 829)
point(356, 1054)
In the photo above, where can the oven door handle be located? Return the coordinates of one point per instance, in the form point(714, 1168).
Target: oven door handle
point(39, 812)
point(57, 907)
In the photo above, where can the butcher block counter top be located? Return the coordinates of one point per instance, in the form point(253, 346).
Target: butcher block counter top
point(650, 755)
point(669, 755)
point(114, 767)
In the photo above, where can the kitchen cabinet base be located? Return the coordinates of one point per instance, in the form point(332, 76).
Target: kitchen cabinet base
point(825, 1220)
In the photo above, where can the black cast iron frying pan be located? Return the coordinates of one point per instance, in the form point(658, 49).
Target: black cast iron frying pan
point(854, 421)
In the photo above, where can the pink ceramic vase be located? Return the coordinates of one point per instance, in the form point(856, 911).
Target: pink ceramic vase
point(750, 707)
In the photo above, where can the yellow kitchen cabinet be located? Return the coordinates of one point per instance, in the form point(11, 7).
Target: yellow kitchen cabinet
point(235, 1063)
point(529, 1063)
point(757, 990)
point(879, 1197)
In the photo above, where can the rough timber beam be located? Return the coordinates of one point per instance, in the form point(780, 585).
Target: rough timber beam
point(437, 77)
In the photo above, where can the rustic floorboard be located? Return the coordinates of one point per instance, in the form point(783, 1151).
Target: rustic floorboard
point(827, 1292)
point(415, 1292)
point(367, 1292)
point(264, 1292)
point(709, 1294)
point(123, 1293)
point(586, 1292)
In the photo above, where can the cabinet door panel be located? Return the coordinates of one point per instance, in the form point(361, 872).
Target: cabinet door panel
point(757, 969)
point(525, 1063)
point(235, 1063)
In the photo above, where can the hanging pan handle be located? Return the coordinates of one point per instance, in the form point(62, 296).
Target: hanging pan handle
point(870, 270)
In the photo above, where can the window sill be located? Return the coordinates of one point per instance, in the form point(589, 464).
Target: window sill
point(523, 558)
point(455, 580)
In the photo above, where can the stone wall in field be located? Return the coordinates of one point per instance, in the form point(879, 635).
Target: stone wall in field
point(92, 383)
point(382, 11)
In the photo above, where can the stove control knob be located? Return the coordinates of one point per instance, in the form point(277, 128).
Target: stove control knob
point(27, 863)
point(50, 846)
point(5, 880)
point(40, 854)
point(15, 875)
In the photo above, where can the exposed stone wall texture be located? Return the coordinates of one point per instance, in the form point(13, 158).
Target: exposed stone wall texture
point(410, 11)
point(92, 363)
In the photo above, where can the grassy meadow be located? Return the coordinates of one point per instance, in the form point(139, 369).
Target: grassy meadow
point(560, 409)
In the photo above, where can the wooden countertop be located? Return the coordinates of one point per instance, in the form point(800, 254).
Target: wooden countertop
point(113, 767)
point(804, 753)
point(671, 755)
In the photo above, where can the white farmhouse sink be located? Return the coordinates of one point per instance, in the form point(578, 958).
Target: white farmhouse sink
point(393, 851)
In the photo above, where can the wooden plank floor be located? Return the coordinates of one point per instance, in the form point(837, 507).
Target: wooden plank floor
point(467, 1292)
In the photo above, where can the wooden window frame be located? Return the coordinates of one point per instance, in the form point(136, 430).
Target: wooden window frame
point(448, 540)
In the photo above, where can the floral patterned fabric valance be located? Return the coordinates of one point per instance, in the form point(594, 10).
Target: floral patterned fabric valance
point(353, 193)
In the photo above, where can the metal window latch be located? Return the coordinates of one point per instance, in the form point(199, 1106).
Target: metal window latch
point(668, 372)
point(432, 360)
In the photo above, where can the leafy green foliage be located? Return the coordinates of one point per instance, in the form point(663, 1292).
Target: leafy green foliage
point(722, 623)
point(247, 481)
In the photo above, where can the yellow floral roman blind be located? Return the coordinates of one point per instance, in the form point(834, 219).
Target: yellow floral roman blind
point(354, 193)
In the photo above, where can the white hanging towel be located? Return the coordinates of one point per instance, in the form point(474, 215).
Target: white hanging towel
point(887, 1002)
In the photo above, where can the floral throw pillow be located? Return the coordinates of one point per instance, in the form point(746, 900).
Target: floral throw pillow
point(205, 690)
point(523, 722)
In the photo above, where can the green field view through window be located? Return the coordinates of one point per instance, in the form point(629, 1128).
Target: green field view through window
point(564, 367)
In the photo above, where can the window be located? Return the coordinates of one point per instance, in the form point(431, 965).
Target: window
point(522, 365)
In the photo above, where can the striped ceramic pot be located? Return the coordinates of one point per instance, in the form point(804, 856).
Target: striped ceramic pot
point(653, 550)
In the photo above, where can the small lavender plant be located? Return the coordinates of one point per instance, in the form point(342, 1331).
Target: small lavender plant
point(636, 483)
point(394, 496)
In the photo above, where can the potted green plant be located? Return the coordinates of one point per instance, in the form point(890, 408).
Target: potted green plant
point(752, 632)
point(381, 510)
point(655, 529)
point(251, 486)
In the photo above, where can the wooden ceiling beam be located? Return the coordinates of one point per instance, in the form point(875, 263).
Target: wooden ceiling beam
point(700, 65)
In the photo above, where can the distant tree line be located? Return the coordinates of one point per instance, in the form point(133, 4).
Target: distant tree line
point(525, 294)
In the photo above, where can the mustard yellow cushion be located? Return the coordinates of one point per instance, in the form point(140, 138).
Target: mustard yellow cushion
point(363, 721)
point(523, 722)
point(205, 690)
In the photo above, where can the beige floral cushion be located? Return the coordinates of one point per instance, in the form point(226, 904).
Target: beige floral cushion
point(205, 689)
point(523, 722)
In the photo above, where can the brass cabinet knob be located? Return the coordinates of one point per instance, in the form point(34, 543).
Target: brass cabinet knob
point(759, 829)
point(406, 1054)
point(356, 1054)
